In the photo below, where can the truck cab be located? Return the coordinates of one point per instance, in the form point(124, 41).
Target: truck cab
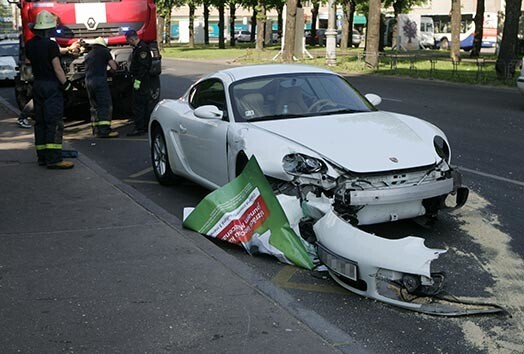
point(81, 20)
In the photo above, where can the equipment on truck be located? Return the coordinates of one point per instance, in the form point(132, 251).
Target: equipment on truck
point(79, 20)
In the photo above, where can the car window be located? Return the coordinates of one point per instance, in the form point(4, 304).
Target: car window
point(9, 50)
point(293, 96)
point(208, 92)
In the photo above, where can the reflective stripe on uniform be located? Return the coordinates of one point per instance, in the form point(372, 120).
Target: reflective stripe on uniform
point(101, 122)
point(48, 146)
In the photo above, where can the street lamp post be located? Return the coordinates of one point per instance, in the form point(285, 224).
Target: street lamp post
point(331, 35)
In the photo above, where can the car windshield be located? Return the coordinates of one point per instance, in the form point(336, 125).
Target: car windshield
point(8, 50)
point(294, 96)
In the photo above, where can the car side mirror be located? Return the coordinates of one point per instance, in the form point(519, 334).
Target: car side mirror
point(375, 100)
point(208, 112)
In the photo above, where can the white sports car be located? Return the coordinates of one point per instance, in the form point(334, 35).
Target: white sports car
point(310, 131)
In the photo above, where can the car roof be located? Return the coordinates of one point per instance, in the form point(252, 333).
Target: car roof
point(249, 71)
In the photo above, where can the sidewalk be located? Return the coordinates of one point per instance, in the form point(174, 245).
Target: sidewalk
point(88, 264)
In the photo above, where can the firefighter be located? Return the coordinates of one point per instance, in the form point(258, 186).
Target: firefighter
point(49, 82)
point(140, 68)
point(96, 62)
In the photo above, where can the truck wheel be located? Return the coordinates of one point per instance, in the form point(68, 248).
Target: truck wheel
point(444, 44)
point(160, 158)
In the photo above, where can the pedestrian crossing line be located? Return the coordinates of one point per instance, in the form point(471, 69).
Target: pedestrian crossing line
point(283, 280)
point(141, 173)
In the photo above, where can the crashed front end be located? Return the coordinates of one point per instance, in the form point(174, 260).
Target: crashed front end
point(393, 271)
point(363, 199)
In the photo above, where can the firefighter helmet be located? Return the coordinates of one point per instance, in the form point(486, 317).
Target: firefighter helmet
point(100, 41)
point(45, 20)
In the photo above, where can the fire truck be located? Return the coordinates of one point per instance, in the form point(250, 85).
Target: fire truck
point(85, 20)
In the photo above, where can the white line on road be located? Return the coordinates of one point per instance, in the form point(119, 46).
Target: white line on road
point(489, 175)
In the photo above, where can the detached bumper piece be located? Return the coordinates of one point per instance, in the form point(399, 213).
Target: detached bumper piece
point(396, 272)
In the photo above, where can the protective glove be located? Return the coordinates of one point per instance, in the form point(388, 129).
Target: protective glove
point(136, 84)
point(67, 86)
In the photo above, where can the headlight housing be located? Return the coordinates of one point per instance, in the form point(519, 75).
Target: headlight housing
point(442, 148)
point(300, 164)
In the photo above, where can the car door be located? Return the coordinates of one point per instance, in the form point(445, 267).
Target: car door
point(203, 141)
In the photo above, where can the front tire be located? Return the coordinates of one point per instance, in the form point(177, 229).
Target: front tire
point(160, 158)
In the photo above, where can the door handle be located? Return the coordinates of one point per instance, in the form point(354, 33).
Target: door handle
point(183, 129)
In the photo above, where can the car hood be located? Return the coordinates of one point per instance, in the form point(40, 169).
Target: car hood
point(359, 142)
point(7, 61)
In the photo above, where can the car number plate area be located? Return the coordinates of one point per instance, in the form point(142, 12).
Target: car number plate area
point(338, 264)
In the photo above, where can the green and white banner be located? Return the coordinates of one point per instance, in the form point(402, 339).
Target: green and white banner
point(245, 211)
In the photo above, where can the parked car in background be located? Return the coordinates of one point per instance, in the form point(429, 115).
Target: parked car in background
point(243, 36)
point(8, 59)
point(318, 39)
point(356, 38)
point(520, 80)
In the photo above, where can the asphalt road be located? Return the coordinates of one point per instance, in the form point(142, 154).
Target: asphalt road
point(485, 247)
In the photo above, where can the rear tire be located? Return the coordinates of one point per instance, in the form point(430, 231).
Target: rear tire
point(160, 158)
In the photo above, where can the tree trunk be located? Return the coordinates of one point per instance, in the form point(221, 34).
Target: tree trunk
point(167, 37)
point(372, 33)
point(280, 20)
point(507, 58)
point(314, 18)
point(352, 6)
point(191, 25)
point(160, 29)
point(221, 25)
point(289, 37)
point(253, 24)
point(261, 25)
point(345, 25)
point(232, 17)
point(206, 22)
point(479, 23)
point(456, 18)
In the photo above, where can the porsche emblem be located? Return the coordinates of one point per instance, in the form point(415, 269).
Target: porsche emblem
point(393, 159)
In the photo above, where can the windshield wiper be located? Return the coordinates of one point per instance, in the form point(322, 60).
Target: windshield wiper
point(340, 111)
point(276, 116)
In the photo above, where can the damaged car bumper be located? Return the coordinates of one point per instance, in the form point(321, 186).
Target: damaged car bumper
point(396, 272)
point(368, 265)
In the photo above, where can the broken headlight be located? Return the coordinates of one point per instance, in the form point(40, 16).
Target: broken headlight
point(298, 164)
point(442, 148)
